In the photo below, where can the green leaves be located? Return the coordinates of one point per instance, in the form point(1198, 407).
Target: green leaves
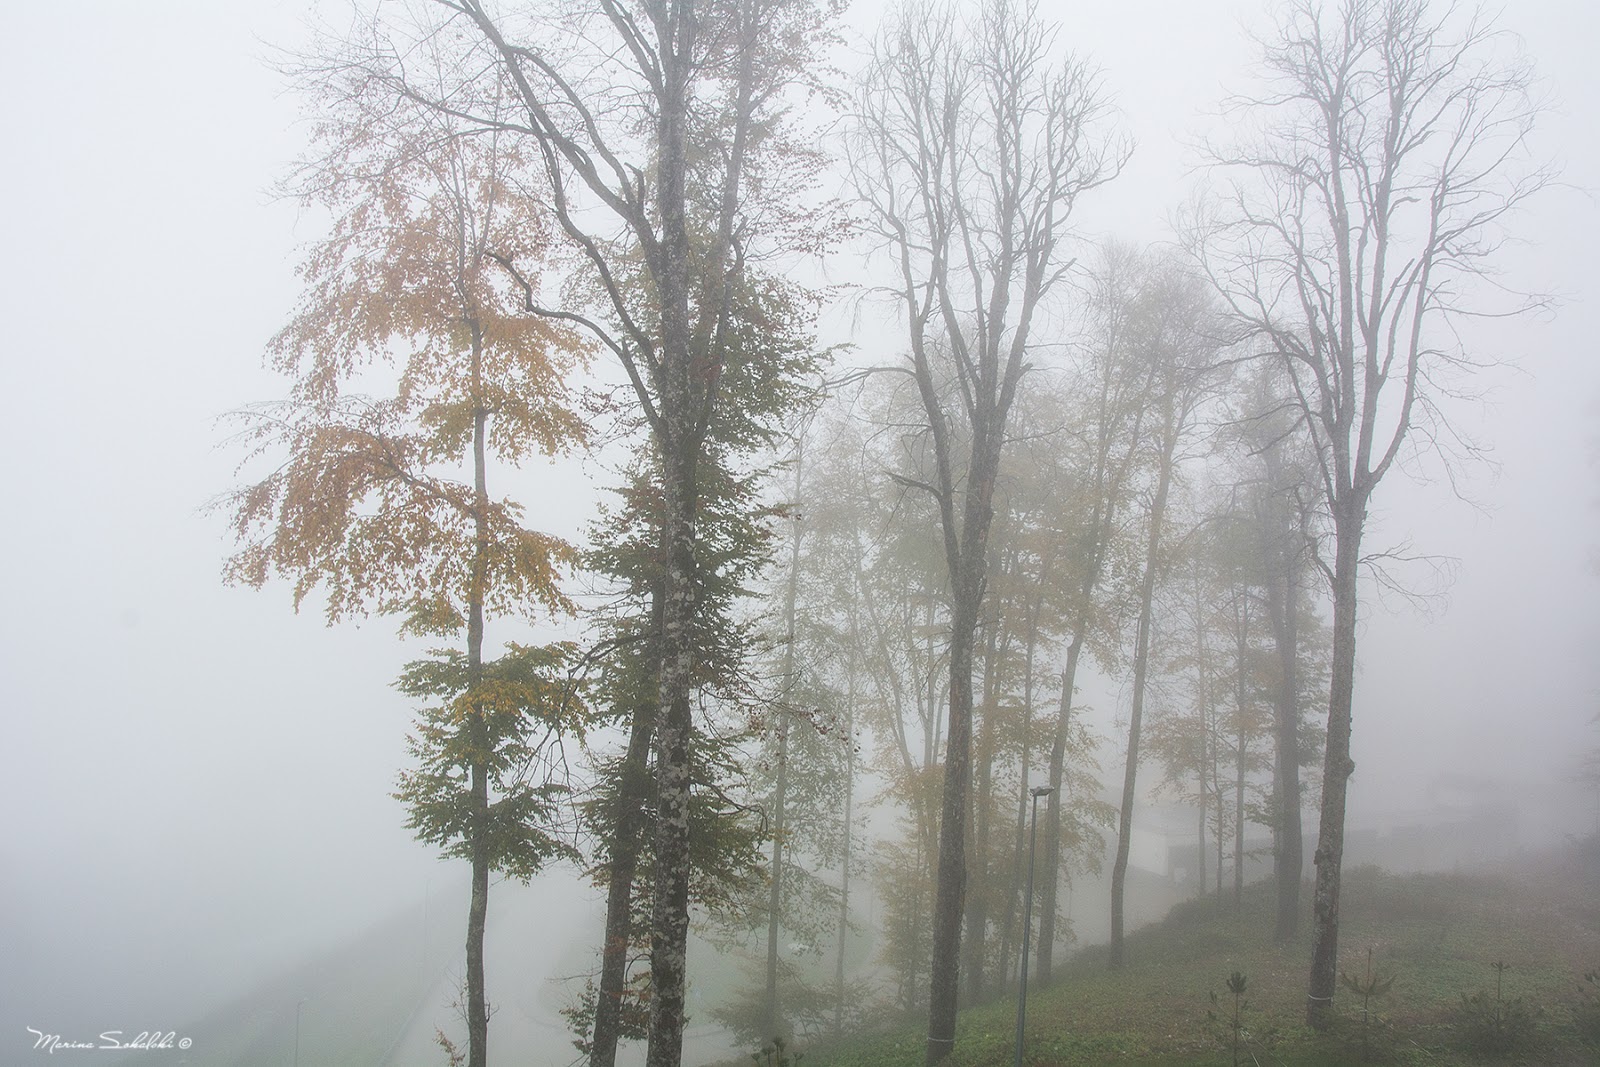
point(508, 729)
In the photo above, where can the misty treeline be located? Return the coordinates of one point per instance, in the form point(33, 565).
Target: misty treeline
point(828, 627)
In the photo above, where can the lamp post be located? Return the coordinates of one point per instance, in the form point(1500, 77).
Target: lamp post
point(1027, 915)
point(297, 1008)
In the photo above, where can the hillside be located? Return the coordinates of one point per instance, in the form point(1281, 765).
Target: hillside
point(1438, 935)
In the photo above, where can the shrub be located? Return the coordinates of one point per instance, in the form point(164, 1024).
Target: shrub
point(776, 1055)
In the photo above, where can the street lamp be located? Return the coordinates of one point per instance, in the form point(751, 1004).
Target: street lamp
point(1027, 915)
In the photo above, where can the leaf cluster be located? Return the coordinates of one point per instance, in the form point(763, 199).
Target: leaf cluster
point(507, 727)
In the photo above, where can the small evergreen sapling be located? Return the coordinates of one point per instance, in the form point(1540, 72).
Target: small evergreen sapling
point(1495, 1026)
point(1367, 987)
point(1233, 1026)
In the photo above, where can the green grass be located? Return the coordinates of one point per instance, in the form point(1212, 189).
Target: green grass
point(1438, 934)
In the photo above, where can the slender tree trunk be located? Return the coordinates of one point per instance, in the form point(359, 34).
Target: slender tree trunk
point(771, 1025)
point(1053, 804)
point(478, 906)
point(849, 801)
point(1008, 925)
point(477, 917)
point(625, 848)
point(943, 987)
point(1241, 652)
point(844, 866)
point(1336, 769)
point(1009, 933)
point(1238, 824)
point(978, 851)
point(1221, 835)
point(1141, 674)
point(773, 1016)
point(1205, 711)
point(1221, 838)
point(1289, 851)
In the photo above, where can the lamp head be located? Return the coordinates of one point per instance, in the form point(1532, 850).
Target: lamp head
point(1041, 790)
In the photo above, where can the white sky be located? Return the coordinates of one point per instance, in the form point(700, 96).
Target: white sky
point(198, 779)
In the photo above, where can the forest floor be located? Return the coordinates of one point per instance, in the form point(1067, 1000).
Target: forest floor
point(1438, 937)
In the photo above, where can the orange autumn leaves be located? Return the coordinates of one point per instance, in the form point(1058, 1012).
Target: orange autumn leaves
point(409, 329)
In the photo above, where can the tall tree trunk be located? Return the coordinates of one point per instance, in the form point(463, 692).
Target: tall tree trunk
point(1221, 836)
point(1336, 768)
point(678, 441)
point(978, 861)
point(669, 925)
point(849, 797)
point(1288, 854)
point(1053, 803)
point(943, 983)
point(844, 865)
point(1141, 674)
point(1008, 927)
point(1241, 653)
point(772, 1014)
point(478, 906)
point(625, 848)
point(1205, 713)
point(966, 555)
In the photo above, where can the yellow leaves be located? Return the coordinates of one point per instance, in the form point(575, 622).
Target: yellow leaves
point(371, 501)
point(378, 517)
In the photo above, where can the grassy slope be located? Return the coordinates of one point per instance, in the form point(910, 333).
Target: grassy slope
point(1438, 934)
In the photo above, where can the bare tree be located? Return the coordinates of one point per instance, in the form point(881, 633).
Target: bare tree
point(1113, 383)
point(1281, 502)
point(972, 146)
point(1375, 172)
point(1171, 324)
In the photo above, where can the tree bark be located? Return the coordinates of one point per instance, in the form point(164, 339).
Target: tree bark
point(1336, 769)
point(678, 441)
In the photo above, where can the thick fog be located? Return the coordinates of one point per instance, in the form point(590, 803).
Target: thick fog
point(197, 791)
